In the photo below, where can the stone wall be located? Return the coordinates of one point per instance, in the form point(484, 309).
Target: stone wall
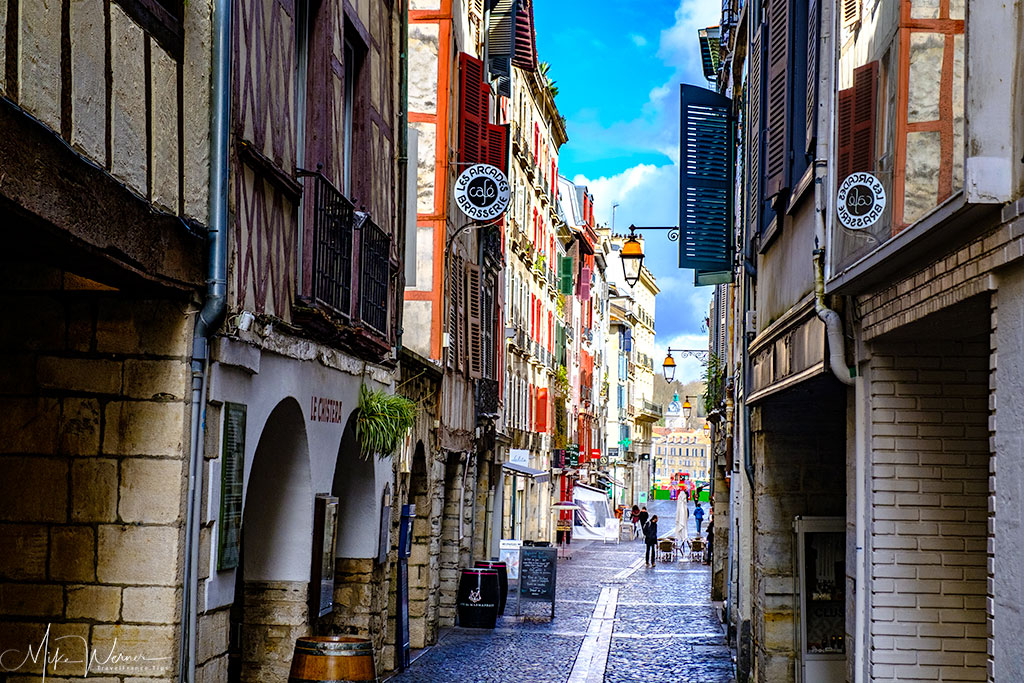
point(929, 506)
point(276, 613)
point(798, 439)
point(94, 430)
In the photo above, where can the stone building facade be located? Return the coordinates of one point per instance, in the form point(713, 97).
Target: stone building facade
point(874, 366)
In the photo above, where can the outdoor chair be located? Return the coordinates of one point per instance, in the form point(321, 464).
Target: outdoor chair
point(696, 549)
point(667, 550)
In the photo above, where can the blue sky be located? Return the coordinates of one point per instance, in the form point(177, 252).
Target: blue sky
point(618, 65)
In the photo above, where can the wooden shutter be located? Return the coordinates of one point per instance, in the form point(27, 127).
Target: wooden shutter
point(844, 135)
point(474, 327)
point(813, 48)
point(497, 147)
point(585, 277)
point(851, 12)
point(776, 155)
point(565, 274)
point(865, 89)
point(705, 179)
point(473, 110)
point(755, 107)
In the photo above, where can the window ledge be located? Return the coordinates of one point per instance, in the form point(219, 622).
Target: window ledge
point(951, 224)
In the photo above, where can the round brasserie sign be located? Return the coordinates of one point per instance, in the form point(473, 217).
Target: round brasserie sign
point(482, 192)
point(861, 201)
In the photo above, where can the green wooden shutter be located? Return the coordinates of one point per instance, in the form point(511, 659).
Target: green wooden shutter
point(705, 180)
point(565, 274)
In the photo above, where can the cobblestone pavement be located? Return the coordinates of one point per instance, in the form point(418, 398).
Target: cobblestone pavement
point(665, 628)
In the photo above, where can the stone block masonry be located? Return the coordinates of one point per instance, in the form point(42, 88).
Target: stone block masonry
point(929, 507)
point(94, 427)
point(799, 451)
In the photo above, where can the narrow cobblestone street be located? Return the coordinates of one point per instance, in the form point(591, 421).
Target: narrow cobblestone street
point(615, 620)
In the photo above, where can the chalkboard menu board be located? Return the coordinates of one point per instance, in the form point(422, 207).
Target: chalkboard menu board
point(538, 568)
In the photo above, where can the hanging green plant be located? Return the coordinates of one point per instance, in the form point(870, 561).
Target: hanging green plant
point(384, 420)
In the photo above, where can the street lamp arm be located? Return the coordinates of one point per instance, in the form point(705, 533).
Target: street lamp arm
point(673, 231)
point(700, 354)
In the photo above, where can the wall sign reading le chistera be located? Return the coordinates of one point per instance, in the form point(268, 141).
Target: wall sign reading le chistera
point(861, 201)
point(482, 192)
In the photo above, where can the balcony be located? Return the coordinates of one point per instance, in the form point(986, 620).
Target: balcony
point(350, 282)
point(649, 411)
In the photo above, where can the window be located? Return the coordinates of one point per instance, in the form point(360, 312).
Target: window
point(348, 117)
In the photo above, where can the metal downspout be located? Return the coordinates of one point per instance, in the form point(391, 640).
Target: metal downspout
point(403, 167)
point(207, 321)
point(824, 170)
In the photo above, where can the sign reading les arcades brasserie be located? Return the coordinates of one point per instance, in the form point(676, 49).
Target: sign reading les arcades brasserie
point(482, 192)
point(860, 201)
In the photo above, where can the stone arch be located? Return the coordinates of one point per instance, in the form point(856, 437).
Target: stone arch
point(354, 485)
point(270, 609)
point(360, 605)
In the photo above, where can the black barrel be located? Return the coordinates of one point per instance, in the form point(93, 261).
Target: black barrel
point(478, 598)
point(502, 570)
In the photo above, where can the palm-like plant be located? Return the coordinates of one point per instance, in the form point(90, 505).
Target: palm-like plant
point(384, 420)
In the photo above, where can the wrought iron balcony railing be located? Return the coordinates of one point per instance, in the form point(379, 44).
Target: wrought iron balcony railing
point(374, 277)
point(351, 278)
point(333, 229)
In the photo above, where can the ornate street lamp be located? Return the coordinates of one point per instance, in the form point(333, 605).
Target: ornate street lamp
point(687, 409)
point(669, 366)
point(632, 256)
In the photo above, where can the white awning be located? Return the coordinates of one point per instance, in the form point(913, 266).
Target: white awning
point(539, 476)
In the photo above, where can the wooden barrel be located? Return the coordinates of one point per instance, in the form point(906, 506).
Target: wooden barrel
point(502, 570)
point(478, 598)
point(332, 658)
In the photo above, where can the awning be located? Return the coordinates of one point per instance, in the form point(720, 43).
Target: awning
point(606, 477)
point(539, 476)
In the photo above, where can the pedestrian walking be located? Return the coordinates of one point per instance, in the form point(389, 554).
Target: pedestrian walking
point(634, 518)
point(651, 541)
point(698, 514)
point(643, 517)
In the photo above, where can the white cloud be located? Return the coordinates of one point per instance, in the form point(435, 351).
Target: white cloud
point(638, 39)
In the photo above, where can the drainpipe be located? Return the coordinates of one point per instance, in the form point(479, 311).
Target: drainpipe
point(828, 86)
point(824, 169)
point(403, 166)
point(207, 321)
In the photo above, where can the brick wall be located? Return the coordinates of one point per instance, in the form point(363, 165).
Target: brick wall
point(929, 499)
point(93, 432)
point(950, 279)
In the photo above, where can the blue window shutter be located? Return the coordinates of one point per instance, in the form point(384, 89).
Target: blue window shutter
point(705, 180)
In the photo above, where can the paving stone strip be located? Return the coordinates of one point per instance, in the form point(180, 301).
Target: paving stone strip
point(593, 655)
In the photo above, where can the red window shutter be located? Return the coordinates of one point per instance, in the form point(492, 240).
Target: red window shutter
point(776, 159)
point(844, 135)
point(497, 147)
point(474, 324)
point(473, 110)
point(865, 80)
point(542, 410)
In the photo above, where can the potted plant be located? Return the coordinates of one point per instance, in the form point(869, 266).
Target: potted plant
point(384, 420)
